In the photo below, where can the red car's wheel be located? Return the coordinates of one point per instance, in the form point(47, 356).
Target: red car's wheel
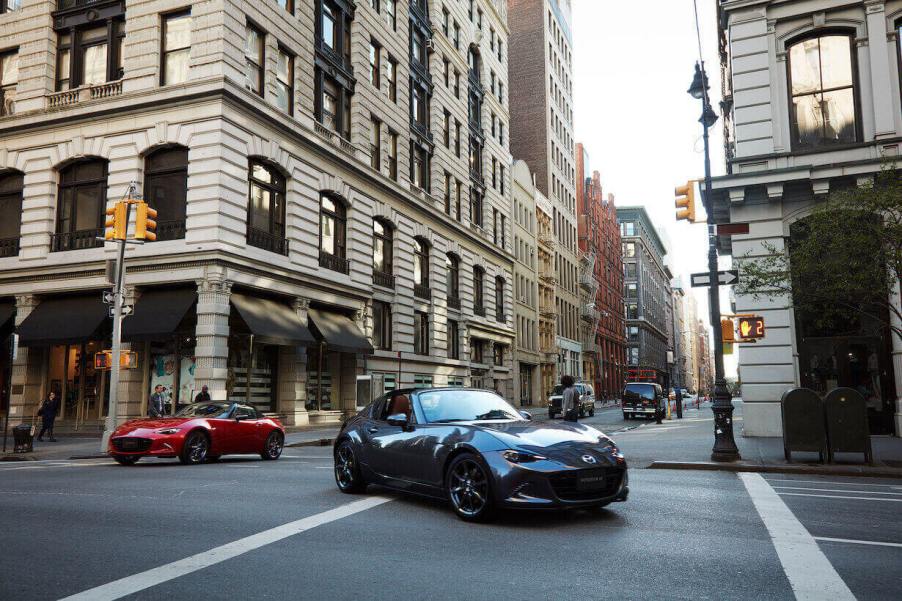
point(272, 449)
point(126, 459)
point(195, 449)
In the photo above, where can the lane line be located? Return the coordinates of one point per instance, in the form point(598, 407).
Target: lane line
point(801, 494)
point(810, 574)
point(842, 490)
point(830, 482)
point(858, 542)
point(144, 580)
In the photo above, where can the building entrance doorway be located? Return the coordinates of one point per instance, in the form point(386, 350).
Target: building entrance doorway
point(82, 390)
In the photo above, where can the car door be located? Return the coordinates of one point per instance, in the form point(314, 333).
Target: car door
point(247, 430)
point(224, 432)
point(383, 438)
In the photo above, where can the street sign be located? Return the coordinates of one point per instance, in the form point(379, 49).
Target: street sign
point(109, 297)
point(724, 278)
point(751, 328)
point(126, 310)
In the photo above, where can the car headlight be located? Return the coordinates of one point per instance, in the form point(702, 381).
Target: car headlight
point(168, 431)
point(521, 457)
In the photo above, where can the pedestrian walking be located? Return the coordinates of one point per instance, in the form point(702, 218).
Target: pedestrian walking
point(569, 399)
point(203, 396)
point(155, 405)
point(47, 411)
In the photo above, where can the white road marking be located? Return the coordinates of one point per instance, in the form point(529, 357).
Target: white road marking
point(830, 482)
point(801, 494)
point(843, 490)
point(857, 542)
point(810, 574)
point(144, 580)
point(53, 465)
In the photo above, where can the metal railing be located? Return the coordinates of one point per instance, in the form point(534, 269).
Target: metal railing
point(170, 230)
point(479, 310)
point(422, 291)
point(454, 302)
point(78, 240)
point(386, 280)
point(329, 261)
point(267, 241)
point(9, 247)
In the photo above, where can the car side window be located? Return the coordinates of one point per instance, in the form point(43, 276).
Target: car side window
point(397, 403)
point(246, 412)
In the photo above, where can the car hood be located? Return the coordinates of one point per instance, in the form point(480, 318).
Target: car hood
point(151, 423)
point(564, 442)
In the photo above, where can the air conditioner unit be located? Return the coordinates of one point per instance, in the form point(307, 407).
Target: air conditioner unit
point(430, 45)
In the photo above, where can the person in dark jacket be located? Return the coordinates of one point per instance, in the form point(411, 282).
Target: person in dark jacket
point(569, 399)
point(155, 404)
point(203, 396)
point(47, 411)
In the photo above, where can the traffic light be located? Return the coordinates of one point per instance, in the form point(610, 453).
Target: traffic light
point(145, 222)
point(751, 327)
point(685, 202)
point(726, 330)
point(117, 222)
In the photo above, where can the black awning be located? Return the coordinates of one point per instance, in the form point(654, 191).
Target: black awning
point(339, 332)
point(272, 322)
point(158, 313)
point(62, 320)
point(7, 310)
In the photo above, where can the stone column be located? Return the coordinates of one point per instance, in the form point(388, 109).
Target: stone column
point(26, 377)
point(212, 335)
point(879, 55)
point(293, 376)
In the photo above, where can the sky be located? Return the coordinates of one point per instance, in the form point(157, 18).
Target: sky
point(638, 124)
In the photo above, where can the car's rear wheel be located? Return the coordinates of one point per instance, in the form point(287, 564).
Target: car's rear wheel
point(272, 448)
point(592, 412)
point(126, 459)
point(469, 488)
point(347, 471)
point(551, 415)
point(195, 450)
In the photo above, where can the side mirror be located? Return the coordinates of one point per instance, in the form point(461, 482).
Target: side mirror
point(526, 415)
point(239, 417)
point(397, 419)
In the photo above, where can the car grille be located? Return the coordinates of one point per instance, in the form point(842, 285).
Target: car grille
point(567, 485)
point(131, 444)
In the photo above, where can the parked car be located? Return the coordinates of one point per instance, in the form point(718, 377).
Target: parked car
point(199, 432)
point(642, 398)
point(586, 400)
point(474, 449)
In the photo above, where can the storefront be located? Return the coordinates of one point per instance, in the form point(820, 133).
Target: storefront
point(7, 313)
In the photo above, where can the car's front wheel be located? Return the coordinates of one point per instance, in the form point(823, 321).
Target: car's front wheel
point(272, 448)
point(197, 445)
point(469, 489)
point(126, 459)
point(347, 471)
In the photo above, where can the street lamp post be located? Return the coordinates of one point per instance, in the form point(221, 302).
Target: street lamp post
point(724, 444)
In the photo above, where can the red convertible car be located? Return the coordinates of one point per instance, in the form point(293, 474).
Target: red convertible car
point(199, 432)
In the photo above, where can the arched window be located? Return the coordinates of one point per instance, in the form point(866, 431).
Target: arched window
point(822, 91)
point(11, 185)
point(266, 209)
point(478, 291)
point(452, 268)
point(421, 268)
point(166, 189)
point(332, 234)
point(499, 299)
point(80, 206)
point(383, 239)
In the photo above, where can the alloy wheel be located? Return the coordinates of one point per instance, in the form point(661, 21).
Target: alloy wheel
point(344, 467)
point(274, 446)
point(197, 448)
point(469, 488)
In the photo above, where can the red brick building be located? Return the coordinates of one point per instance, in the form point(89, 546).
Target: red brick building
point(604, 352)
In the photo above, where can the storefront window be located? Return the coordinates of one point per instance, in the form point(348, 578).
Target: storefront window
point(252, 373)
point(72, 377)
point(319, 379)
point(172, 366)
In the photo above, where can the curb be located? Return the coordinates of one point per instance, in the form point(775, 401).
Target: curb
point(94, 456)
point(319, 442)
point(816, 470)
point(17, 457)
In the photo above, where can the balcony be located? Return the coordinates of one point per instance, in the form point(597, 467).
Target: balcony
point(9, 247)
point(266, 241)
point(547, 239)
point(479, 310)
point(78, 240)
point(422, 291)
point(386, 280)
point(59, 100)
point(454, 302)
point(170, 230)
point(589, 313)
point(587, 281)
point(548, 278)
point(330, 261)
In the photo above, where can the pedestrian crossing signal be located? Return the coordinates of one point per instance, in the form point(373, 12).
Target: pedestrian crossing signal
point(751, 327)
point(103, 360)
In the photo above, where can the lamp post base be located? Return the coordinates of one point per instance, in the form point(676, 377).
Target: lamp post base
point(725, 449)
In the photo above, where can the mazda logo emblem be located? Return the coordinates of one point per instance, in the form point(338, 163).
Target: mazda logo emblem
point(588, 459)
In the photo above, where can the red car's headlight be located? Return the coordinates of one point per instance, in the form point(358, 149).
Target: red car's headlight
point(168, 431)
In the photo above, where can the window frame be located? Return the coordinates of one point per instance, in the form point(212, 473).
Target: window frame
point(421, 256)
point(452, 278)
point(421, 333)
point(387, 237)
point(260, 68)
point(15, 194)
point(101, 182)
point(382, 325)
point(375, 64)
point(289, 85)
point(453, 337)
point(376, 144)
point(164, 52)
point(340, 220)
point(151, 173)
point(9, 52)
point(273, 189)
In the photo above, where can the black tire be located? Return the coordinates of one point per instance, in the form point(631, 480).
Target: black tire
point(347, 470)
point(626, 416)
point(592, 412)
point(551, 415)
point(213, 458)
point(126, 459)
point(469, 488)
point(272, 448)
point(195, 449)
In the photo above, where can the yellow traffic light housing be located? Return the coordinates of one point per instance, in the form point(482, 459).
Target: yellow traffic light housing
point(116, 222)
point(726, 330)
point(145, 222)
point(685, 202)
point(103, 360)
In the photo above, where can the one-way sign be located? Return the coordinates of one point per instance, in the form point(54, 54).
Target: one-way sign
point(126, 310)
point(724, 278)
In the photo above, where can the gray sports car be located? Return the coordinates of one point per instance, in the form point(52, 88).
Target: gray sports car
point(474, 449)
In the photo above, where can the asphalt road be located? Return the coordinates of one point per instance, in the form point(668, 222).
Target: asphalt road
point(281, 530)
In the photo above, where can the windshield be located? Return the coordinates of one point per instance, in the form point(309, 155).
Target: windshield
point(442, 406)
point(205, 410)
point(642, 391)
point(558, 389)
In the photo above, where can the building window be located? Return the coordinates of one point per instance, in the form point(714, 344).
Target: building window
point(332, 229)
point(475, 206)
point(456, 36)
point(456, 84)
point(455, 382)
point(419, 166)
point(375, 60)
point(392, 11)
point(453, 340)
point(476, 351)
point(499, 299)
point(446, 17)
point(375, 144)
point(457, 138)
point(498, 355)
point(628, 228)
point(285, 81)
point(632, 290)
point(632, 311)
point(823, 91)
point(11, 187)
point(333, 74)
point(420, 333)
point(500, 46)
point(176, 48)
point(630, 270)
point(266, 210)
point(629, 249)
point(288, 5)
point(8, 6)
point(166, 190)
point(452, 271)
point(457, 200)
point(393, 155)
point(81, 204)
point(93, 57)
point(383, 243)
point(501, 133)
point(446, 129)
point(422, 381)
point(632, 333)
point(420, 263)
point(374, 4)
point(9, 79)
point(447, 193)
point(392, 75)
point(254, 57)
point(382, 325)
point(334, 105)
point(494, 225)
point(632, 355)
point(478, 290)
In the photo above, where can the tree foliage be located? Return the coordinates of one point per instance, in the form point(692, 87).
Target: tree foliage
point(842, 264)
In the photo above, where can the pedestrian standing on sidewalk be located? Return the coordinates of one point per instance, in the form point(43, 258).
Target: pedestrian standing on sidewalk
point(569, 399)
point(203, 396)
point(155, 405)
point(47, 411)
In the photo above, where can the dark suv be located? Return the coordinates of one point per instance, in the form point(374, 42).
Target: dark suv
point(586, 400)
point(643, 398)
